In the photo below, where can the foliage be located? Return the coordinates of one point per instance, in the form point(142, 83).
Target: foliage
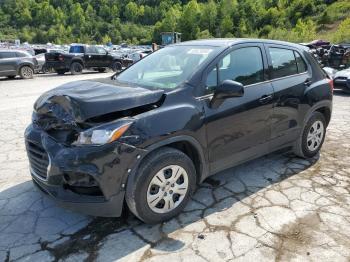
point(343, 32)
point(141, 21)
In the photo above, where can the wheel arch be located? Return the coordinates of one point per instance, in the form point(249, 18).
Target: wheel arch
point(24, 64)
point(324, 107)
point(326, 112)
point(186, 144)
point(80, 61)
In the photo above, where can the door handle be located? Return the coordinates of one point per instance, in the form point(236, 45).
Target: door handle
point(308, 82)
point(265, 99)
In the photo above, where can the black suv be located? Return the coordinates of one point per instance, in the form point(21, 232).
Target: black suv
point(15, 62)
point(85, 56)
point(149, 135)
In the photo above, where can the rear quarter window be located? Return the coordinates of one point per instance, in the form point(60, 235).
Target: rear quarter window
point(300, 63)
point(76, 49)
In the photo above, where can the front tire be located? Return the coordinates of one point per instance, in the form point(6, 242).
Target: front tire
point(76, 68)
point(116, 67)
point(26, 72)
point(312, 137)
point(162, 187)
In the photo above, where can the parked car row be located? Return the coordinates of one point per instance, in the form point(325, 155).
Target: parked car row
point(330, 55)
point(335, 61)
point(85, 57)
point(15, 62)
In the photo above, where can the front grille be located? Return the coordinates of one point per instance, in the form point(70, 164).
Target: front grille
point(38, 159)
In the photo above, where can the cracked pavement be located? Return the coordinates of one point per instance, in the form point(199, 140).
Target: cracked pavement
point(275, 208)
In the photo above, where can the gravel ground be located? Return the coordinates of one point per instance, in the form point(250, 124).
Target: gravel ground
point(274, 208)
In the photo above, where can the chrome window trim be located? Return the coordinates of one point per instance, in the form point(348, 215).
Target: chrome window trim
point(283, 77)
point(247, 86)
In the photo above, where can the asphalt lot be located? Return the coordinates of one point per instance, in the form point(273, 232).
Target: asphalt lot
point(276, 208)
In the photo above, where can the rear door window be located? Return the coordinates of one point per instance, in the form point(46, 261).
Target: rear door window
point(283, 62)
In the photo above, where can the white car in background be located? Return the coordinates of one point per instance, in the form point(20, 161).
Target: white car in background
point(342, 80)
point(138, 55)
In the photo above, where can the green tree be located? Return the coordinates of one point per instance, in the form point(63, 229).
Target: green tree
point(205, 34)
point(131, 12)
point(208, 16)
point(189, 21)
point(304, 31)
point(343, 32)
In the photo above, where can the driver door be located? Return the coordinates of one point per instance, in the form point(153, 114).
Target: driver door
point(240, 127)
point(91, 57)
point(104, 59)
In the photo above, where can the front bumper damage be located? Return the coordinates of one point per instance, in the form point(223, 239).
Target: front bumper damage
point(86, 179)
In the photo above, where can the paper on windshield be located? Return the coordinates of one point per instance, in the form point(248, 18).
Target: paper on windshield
point(199, 51)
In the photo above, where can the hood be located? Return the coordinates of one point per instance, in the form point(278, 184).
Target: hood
point(343, 73)
point(76, 102)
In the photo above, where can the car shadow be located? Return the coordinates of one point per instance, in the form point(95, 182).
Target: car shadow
point(126, 235)
point(5, 79)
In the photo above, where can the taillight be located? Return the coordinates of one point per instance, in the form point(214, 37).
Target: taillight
point(60, 58)
point(331, 83)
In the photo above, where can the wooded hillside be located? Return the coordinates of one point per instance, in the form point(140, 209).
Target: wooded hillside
point(141, 21)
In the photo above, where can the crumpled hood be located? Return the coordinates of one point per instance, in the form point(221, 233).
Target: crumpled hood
point(343, 73)
point(78, 101)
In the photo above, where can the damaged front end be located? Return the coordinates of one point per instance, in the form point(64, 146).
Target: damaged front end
point(76, 143)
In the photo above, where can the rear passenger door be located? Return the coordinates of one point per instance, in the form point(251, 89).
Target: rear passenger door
point(8, 61)
point(238, 129)
point(290, 76)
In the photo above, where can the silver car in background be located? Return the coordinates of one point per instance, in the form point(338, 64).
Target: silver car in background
point(17, 62)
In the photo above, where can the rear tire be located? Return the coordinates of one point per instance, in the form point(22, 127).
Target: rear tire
point(76, 68)
point(162, 187)
point(26, 72)
point(312, 137)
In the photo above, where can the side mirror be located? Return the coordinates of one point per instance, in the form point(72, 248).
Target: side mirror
point(227, 89)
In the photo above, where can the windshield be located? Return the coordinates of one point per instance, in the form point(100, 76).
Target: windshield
point(168, 67)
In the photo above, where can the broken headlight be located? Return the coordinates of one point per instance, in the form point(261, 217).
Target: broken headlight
point(100, 136)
